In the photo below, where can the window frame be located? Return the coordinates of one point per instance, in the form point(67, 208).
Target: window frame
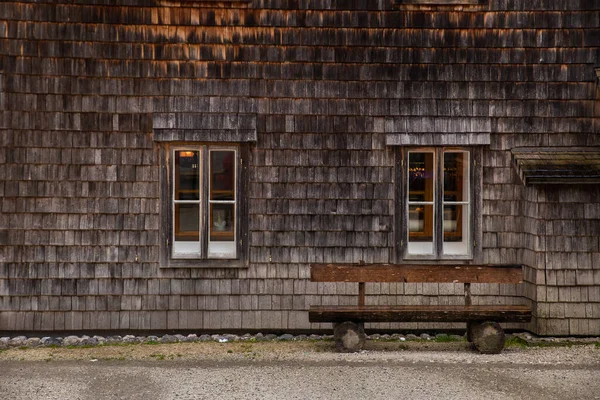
point(475, 206)
point(169, 259)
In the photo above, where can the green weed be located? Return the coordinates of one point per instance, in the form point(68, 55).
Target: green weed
point(515, 341)
point(447, 339)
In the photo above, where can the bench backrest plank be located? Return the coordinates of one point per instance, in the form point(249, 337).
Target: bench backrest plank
point(416, 273)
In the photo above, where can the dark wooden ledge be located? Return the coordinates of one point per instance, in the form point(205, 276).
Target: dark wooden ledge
point(499, 313)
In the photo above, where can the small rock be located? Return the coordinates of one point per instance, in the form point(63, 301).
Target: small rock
point(90, 341)
point(231, 338)
point(425, 336)
point(129, 339)
point(385, 337)
point(33, 342)
point(192, 337)
point(50, 341)
point(101, 339)
point(168, 339)
point(17, 341)
point(270, 337)
point(286, 337)
point(300, 338)
point(4, 342)
point(205, 338)
point(314, 337)
point(259, 336)
point(180, 337)
point(411, 336)
point(114, 339)
point(71, 341)
point(375, 336)
point(152, 339)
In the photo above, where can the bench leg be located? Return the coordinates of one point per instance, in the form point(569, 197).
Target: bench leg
point(488, 337)
point(349, 336)
point(470, 326)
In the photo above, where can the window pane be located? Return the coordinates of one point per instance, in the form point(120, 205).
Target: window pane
point(420, 229)
point(187, 175)
point(222, 175)
point(456, 176)
point(222, 222)
point(420, 171)
point(456, 228)
point(187, 228)
point(222, 231)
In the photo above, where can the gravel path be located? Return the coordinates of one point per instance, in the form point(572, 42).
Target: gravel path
point(303, 370)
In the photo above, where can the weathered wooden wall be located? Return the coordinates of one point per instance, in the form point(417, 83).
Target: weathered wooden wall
point(327, 80)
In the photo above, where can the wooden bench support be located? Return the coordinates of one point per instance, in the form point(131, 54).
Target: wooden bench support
point(349, 336)
point(483, 329)
point(488, 337)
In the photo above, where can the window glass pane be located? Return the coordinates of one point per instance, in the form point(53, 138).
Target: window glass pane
point(222, 175)
point(222, 231)
point(222, 222)
point(420, 175)
point(456, 176)
point(456, 228)
point(186, 228)
point(420, 229)
point(187, 175)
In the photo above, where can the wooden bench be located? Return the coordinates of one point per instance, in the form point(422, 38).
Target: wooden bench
point(483, 329)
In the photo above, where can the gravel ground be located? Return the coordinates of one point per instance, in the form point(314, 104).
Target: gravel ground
point(299, 370)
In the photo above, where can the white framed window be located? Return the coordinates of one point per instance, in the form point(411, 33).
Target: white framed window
point(204, 202)
point(438, 204)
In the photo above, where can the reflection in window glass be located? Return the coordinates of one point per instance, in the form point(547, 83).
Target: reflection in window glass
point(222, 204)
point(222, 222)
point(421, 177)
point(421, 195)
point(222, 175)
point(456, 203)
point(420, 229)
point(187, 175)
point(186, 207)
point(456, 170)
point(187, 228)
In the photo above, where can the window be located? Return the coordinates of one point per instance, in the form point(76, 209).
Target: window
point(438, 203)
point(204, 209)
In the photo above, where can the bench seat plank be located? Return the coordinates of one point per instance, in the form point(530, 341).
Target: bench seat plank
point(499, 313)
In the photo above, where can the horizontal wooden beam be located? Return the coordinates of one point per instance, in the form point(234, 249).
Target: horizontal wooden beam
point(438, 2)
point(416, 273)
point(498, 313)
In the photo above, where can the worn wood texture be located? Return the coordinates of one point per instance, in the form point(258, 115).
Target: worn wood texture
point(566, 166)
point(416, 273)
point(511, 313)
point(90, 92)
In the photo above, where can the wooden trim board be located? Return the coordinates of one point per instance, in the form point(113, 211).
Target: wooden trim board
point(416, 273)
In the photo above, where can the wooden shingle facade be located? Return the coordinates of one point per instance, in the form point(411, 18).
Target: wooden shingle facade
point(318, 106)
